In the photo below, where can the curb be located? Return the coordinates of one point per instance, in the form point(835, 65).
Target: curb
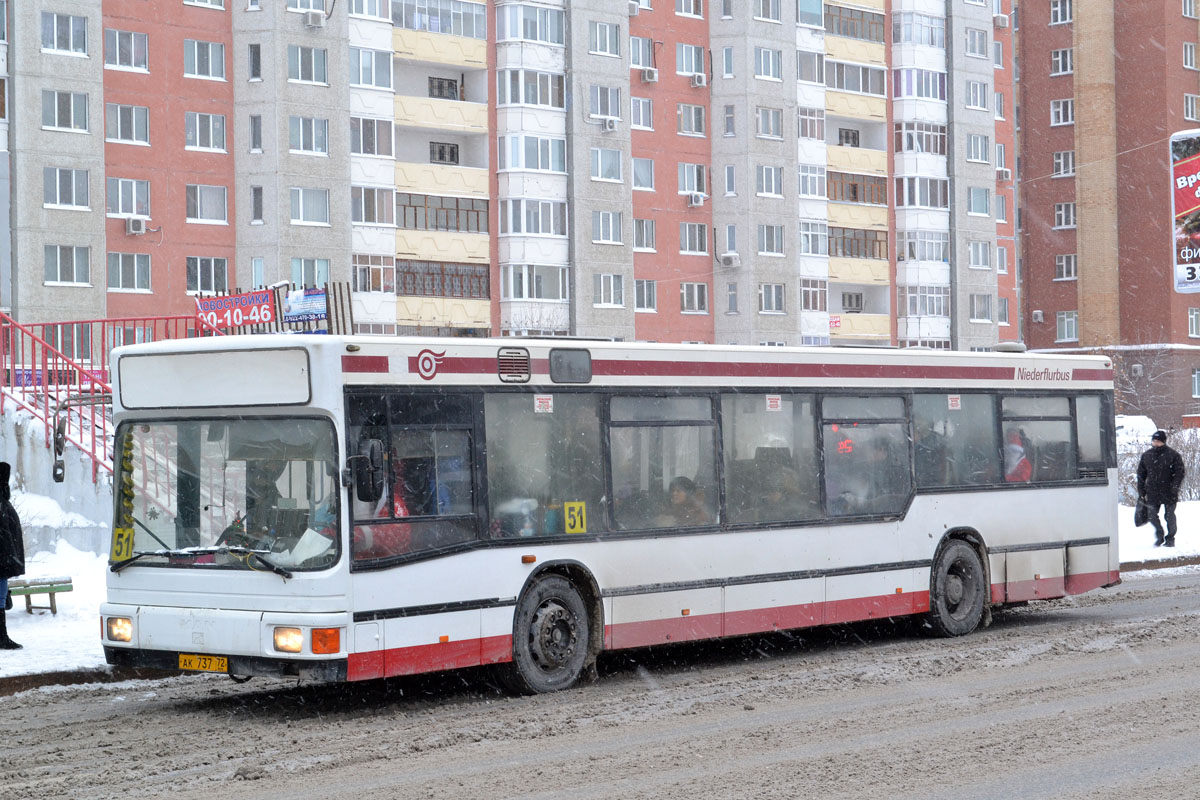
point(1160, 563)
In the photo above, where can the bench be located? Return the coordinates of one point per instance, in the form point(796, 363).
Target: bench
point(31, 586)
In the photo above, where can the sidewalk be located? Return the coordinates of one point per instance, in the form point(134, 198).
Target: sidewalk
point(70, 640)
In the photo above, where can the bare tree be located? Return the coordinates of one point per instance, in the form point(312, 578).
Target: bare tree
point(545, 318)
point(1144, 378)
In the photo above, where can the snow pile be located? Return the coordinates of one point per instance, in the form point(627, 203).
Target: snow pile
point(1133, 433)
point(37, 510)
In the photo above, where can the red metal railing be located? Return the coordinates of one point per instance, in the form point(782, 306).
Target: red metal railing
point(44, 364)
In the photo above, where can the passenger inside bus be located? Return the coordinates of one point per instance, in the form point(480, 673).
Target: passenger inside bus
point(1017, 468)
point(686, 506)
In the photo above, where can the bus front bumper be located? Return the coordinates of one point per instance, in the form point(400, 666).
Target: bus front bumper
point(333, 670)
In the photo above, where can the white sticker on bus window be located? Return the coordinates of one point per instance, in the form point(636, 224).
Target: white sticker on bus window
point(543, 404)
point(774, 402)
point(954, 402)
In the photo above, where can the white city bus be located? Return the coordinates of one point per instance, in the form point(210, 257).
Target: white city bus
point(346, 508)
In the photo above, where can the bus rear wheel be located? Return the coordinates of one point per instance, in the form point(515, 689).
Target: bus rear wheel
point(957, 590)
point(550, 638)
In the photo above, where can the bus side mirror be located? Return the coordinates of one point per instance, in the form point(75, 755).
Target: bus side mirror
point(60, 436)
point(60, 471)
point(368, 470)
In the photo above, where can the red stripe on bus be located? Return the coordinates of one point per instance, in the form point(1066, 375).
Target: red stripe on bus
point(701, 369)
point(364, 363)
point(498, 649)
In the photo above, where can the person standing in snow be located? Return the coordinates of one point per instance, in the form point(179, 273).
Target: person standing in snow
point(12, 550)
point(1159, 476)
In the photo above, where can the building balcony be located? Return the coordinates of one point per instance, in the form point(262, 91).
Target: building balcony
point(856, 106)
point(441, 179)
point(445, 246)
point(873, 327)
point(839, 48)
point(452, 312)
point(857, 159)
point(869, 271)
point(440, 48)
point(855, 215)
point(431, 113)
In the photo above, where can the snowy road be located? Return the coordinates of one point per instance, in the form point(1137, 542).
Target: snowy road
point(1092, 697)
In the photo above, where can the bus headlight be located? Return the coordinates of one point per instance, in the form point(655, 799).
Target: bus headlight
point(289, 640)
point(120, 629)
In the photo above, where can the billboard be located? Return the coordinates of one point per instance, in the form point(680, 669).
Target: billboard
point(1185, 209)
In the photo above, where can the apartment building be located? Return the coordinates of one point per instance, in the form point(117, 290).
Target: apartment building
point(1102, 87)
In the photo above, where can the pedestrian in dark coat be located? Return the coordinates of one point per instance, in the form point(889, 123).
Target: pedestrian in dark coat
point(1159, 477)
point(12, 550)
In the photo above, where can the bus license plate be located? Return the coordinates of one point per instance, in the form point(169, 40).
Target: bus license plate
point(198, 663)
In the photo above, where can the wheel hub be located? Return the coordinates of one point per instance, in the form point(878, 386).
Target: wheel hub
point(553, 635)
point(954, 589)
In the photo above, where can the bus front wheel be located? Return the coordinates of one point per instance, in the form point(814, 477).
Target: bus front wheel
point(957, 590)
point(550, 638)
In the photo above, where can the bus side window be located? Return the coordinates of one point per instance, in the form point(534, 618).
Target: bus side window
point(769, 448)
point(1043, 425)
point(545, 473)
point(954, 440)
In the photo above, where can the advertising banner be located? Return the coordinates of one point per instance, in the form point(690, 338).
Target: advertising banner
point(1185, 209)
point(304, 305)
point(236, 310)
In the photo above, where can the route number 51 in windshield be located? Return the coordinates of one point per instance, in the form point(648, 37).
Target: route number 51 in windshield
point(1185, 209)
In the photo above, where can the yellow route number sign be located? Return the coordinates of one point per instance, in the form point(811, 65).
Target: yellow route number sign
point(122, 544)
point(576, 517)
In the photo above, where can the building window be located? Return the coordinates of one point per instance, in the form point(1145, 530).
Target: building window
point(730, 180)
point(978, 148)
point(254, 62)
point(1064, 163)
point(1189, 8)
point(921, 137)
point(129, 272)
point(643, 235)
point(727, 62)
point(206, 204)
point(847, 187)
point(65, 188)
point(65, 111)
point(981, 307)
point(641, 114)
point(1001, 207)
point(858, 78)
point(981, 255)
point(731, 238)
point(203, 60)
point(209, 3)
point(63, 33)
point(604, 39)
point(768, 64)
point(814, 293)
point(645, 295)
point(693, 298)
point(374, 273)
point(766, 10)
point(443, 153)
point(1001, 161)
point(691, 119)
point(1189, 55)
point(372, 69)
point(979, 200)
point(1002, 312)
point(998, 54)
point(371, 137)
point(693, 178)
point(256, 137)
point(923, 301)
point(307, 65)
point(770, 298)
point(421, 212)
point(1060, 11)
point(126, 50)
point(689, 8)
point(534, 153)
point(814, 238)
point(519, 22)
point(977, 42)
point(923, 84)
point(1066, 326)
point(811, 123)
point(444, 88)
point(810, 66)
point(372, 206)
point(643, 174)
point(770, 240)
point(527, 87)
point(128, 124)
point(308, 135)
point(977, 95)
point(309, 206)
point(768, 181)
point(641, 52)
point(770, 122)
point(1062, 62)
point(693, 238)
point(918, 192)
point(604, 101)
point(1062, 112)
point(923, 246)
point(858, 243)
point(1194, 322)
point(1002, 260)
point(205, 131)
point(256, 205)
point(812, 180)
point(67, 264)
point(1064, 215)
point(853, 23)
point(127, 197)
point(608, 290)
point(912, 28)
point(436, 279)
point(1066, 267)
point(606, 227)
point(206, 274)
point(606, 165)
point(310, 271)
point(533, 217)
point(729, 121)
point(1191, 107)
point(810, 12)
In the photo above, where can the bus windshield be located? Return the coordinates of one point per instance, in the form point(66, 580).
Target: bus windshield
point(227, 486)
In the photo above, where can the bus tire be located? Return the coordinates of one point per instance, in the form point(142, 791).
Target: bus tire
point(957, 590)
point(550, 638)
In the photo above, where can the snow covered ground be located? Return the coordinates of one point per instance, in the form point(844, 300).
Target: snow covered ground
point(71, 639)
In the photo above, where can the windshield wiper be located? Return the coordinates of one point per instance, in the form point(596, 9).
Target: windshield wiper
point(193, 552)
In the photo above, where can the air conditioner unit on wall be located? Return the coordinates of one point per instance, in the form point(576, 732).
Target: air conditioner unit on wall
point(135, 226)
point(1000, 20)
point(1003, 174)
point(634, 8)
point(730, 260)
point(608, 124)
point(314, 19)
point(695, 200)
point(650, 75)
point(699, 80)
point(1037, 316)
